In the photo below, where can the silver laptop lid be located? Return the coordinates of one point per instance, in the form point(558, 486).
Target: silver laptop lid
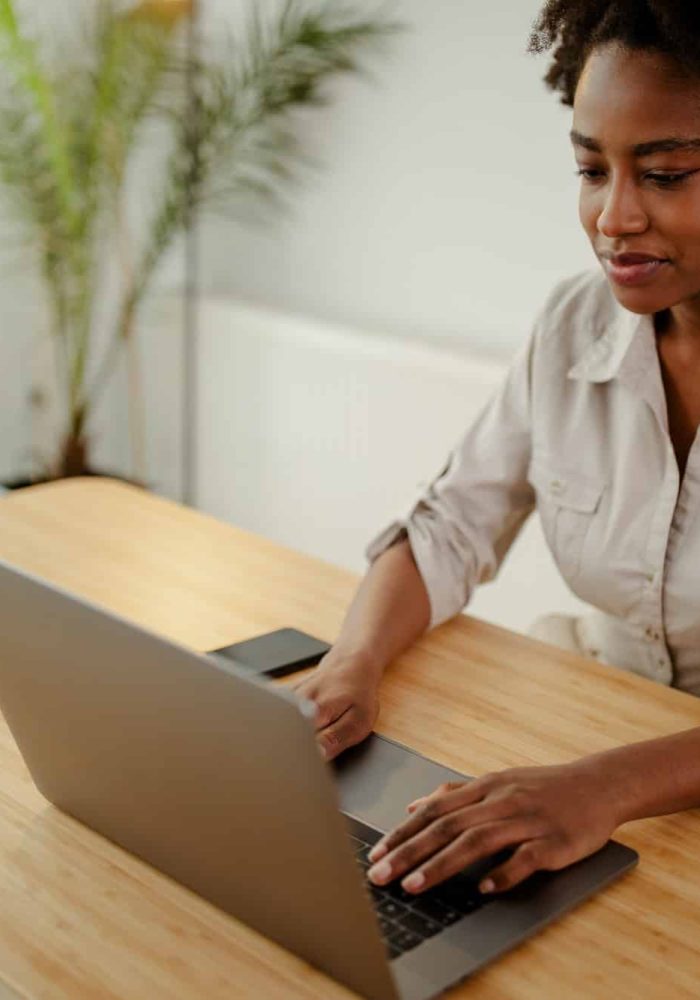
point(211, 776)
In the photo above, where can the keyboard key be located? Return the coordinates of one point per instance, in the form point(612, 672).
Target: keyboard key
point(436, 910)
point(388, 927)
point(461, 895)
point(471, 903)
point(406, 919)
point(391, 908)
point(404, 940)
point(396, 892)
point(419, 924)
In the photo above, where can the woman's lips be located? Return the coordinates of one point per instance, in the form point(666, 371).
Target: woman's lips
point(634, 274)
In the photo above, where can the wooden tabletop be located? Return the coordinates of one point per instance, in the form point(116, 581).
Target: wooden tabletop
point(80, 918)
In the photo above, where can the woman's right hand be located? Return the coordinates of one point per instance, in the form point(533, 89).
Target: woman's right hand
point(345, 690)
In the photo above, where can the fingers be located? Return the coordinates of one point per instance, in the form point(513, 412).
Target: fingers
point(530, 857)
point(412, 806)
point(448, 797)
point(330, 710)
point(349, 729)
point(448, 785)
point(329, 707)
point(451, 785)
point(344, 691)
point(428, 866)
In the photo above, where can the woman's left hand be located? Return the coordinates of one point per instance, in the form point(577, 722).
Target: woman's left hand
point(550, 816)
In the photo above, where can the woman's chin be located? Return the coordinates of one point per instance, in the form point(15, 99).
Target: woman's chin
point(642, 300)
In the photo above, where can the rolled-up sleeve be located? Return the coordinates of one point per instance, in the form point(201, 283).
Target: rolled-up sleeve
point(462, 524)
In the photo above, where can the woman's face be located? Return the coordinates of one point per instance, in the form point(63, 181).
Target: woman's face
point(640, 190)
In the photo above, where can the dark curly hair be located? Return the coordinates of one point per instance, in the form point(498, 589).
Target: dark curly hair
point(576, 27)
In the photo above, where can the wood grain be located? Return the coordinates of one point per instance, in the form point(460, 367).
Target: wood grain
point(81, 918)
point(8, 992)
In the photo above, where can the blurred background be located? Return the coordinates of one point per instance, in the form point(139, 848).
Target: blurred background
point(270, 259)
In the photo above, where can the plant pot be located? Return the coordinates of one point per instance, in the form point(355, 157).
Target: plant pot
point(23, 483)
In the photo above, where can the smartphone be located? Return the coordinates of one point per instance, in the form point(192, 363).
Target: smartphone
point(276, 653)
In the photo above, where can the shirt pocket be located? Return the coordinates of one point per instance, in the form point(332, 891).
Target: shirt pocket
point(567, 501)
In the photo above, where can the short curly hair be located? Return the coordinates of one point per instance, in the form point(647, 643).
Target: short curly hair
point(576, 27)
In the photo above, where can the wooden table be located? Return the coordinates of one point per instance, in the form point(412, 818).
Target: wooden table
point(80, 918)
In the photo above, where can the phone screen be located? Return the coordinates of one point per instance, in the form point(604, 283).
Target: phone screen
point(276, 653)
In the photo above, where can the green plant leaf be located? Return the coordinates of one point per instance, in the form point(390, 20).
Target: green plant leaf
point(69, 137)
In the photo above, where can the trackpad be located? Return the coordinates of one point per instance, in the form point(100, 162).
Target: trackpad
point(378, 778)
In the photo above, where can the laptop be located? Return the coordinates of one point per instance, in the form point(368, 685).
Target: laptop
point(214, 777)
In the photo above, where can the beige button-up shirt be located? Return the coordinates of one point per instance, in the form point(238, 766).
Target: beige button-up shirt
point(579, 430)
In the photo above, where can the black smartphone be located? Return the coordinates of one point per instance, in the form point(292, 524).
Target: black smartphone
point(276, 653)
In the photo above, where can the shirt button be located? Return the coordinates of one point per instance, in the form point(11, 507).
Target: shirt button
point(652, 634)
point(650, 577)
point(556, 486)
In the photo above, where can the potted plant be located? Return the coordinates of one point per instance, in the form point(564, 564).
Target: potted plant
point(69, 133)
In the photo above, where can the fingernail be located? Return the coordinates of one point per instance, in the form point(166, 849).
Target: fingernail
point(414, 881)
point(324, 752)
point(380, 872)
point(377, 852)
point(488, 885)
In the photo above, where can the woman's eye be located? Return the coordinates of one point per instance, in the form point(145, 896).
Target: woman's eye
point(666, 180)
point(588, 175)
point(662, 180)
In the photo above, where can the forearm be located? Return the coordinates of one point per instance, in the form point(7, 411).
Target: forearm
point(390, 610)
point(654, 777)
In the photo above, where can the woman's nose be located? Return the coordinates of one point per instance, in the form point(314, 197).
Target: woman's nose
point(622, 211)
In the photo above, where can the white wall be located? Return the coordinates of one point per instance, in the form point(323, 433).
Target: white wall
point(311, 436)
point(445, 204)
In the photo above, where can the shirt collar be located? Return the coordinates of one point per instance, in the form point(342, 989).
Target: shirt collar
point(626, 351)
point(623, 350)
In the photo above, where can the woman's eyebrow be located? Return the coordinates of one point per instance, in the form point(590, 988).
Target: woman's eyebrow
point(669, 145)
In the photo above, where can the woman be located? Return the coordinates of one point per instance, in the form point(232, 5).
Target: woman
point(596, 427)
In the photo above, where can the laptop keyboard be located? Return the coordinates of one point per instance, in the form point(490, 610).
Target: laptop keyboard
point(407, 919)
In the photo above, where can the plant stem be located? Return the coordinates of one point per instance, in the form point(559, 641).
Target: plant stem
point(136, 397)
point(136, 410)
